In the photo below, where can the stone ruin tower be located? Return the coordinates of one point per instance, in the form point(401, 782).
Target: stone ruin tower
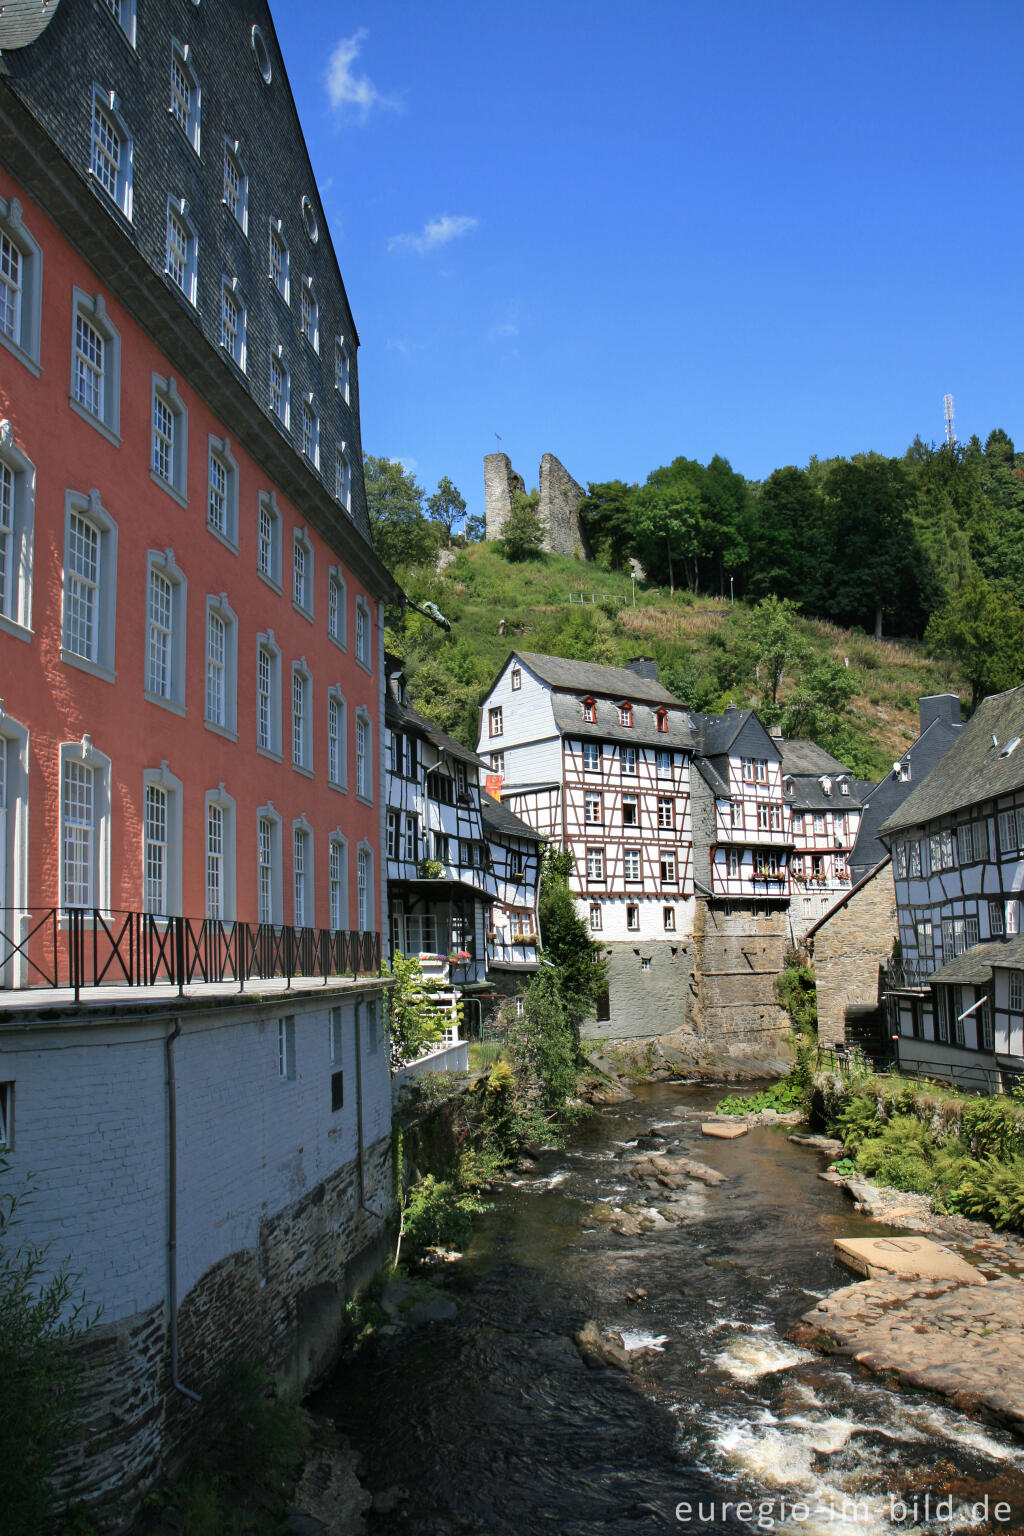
point(560, 498)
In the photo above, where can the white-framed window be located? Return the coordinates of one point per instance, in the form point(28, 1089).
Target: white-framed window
point(309, 313)
point(342, 369)
point(268, 865)
point(495, 721)
point(364, 756)
point(364, 889)
point(669, 919)
point(95, 365)
point(84, 825)
point(996, 921)
point(268, 539)
point(593, 810)
point(280, 388)
point(233, 321)
point(161, 842)
point(337, 882)
point(169, 459)
point(364, 650)
point(631, 863)
point(735, 860)
point(166, 599)
point(736, 813)
point(181, 254)
point(972, 841)
point(220, 855)
point(268, 695)
point(392, 834)
point(221, 693)
point(309, 438)
point(411, 838)
point(1011, 830)
point(336, 742)
point(666, 812)
point(302, 572)
point(222, 492)
point(302, 721)
point(663, 763)
point(941, 850)
point(21, 286)
point(1015, 991)
point(498, 762)
point(669, 869)
point(591, 756)
point(17, 535)
point(595, 917)
point(632, 917)
point(589, 712)
point(90, 584)
point(236, 185)
point(626, 715)
point(517, 679)
point(595, 863)
point(627, 759)
point(280, 274)
point(123, 12)
point(286, 1049)
point(112, 150)
point(303, 915)
point(343, 478)
point(185, 100)
point(337, 607)
point(755, 770)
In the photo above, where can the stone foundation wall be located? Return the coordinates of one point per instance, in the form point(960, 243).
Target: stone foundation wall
point(281, 1304)
point(645, 1002)
point(739, 957)
point(848, 950)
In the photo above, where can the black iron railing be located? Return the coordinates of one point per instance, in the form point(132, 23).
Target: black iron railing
point(81, 947)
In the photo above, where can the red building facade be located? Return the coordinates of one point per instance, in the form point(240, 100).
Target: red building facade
point(191, 612)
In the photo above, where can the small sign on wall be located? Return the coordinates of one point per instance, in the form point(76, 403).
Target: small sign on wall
point(492, 784)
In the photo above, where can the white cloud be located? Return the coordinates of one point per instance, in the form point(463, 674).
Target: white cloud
point(435, 232)
point(347, 90)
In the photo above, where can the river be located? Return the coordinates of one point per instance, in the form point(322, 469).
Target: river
point(491, 1423)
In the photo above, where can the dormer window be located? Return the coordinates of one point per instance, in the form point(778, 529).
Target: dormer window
point(844, 786)
point(1011, 746)
point(626, 715)
point(661, 720)
point(788, 787)
point(589, 712)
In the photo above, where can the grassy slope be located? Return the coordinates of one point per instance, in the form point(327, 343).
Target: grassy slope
point(705, 636)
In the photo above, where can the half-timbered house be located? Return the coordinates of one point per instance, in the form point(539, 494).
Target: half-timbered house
point(955, 994)
point(678, 827)
point(460, 868)
point(824, 808)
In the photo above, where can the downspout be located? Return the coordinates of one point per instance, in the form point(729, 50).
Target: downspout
point(172, 1213)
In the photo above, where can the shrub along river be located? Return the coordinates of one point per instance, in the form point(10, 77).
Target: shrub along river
point(492, 1423)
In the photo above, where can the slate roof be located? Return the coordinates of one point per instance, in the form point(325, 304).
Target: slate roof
point(973, 770)
point(837, 906)
point(880, 800)
point(975, 964)
point(800, 756)
point(403, 717)
point(591, 677)
point(568, 716)
point(498, 818)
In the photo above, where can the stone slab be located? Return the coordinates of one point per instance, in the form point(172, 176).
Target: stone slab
point(915, 1258)
point(723, 1131)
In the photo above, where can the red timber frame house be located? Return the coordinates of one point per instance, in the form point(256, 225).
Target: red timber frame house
point(191, 780)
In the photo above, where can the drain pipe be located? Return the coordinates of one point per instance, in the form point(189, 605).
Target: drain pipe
point(172, 1213)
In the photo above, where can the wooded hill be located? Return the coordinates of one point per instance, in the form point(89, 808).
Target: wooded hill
point(854, 694)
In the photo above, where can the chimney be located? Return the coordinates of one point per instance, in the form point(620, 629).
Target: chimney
point(644, 666)
point(938, 706)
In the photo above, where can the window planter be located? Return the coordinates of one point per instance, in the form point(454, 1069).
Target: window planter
point(430, 869)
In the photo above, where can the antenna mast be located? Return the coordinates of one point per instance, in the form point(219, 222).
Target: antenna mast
point(947, 405)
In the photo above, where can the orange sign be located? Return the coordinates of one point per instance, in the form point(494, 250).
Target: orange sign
point(492, 784)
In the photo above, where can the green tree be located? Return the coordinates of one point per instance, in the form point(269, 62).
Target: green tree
point(522, 534)
point(402, 536)
point(475, 528)
point(415, 1021)
point(41, 1315)
point(774, 638)
point(788, 541)
point(544, 1044)
point(609, 521)
point(668, 517)
point(982, 629)
point(446, 507)
point(872, 536)
point(581, 972)
point(817, 706)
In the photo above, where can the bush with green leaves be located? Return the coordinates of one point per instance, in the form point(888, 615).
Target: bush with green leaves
point(42, 1313)
point(415, 1021)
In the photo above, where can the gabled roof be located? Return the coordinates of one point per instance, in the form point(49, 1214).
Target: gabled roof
point(720, 735)
point(568, 716)
point(837, 906)
point(879, 801)
point(498, 818)
point(402, 717)
point(974, 769)
point(585, 677)
point(975, 964)
point(799, 757)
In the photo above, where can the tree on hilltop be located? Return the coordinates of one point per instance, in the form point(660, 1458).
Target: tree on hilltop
point(447, 507)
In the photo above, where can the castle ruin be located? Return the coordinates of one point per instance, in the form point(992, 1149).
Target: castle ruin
point(559, 508)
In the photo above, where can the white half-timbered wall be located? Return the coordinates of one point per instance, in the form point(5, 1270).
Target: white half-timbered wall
point(513, 934)
point(753, 834)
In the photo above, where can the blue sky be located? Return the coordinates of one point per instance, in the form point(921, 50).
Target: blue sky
point(623, 233)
